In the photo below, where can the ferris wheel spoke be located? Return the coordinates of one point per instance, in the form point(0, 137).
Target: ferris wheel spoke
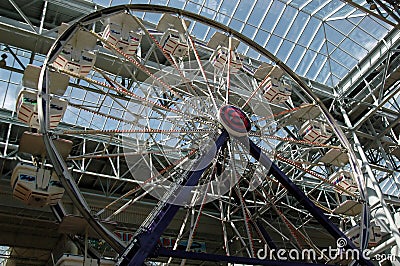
point(246, 220)
point(180, 234)
point(241, 239)
point(196, 54)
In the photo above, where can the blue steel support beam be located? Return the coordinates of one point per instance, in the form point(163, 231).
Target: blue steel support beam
point(145, 242)
point(165, 252)
point(316, 212)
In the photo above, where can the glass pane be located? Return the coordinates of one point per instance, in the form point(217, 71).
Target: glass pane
point(119, 2)
point(236, 25)
point(309, 31)
point(194, 8)
point(284, 50)
point(273, 16)
point(373, 28)
point(227, 7)
point(353, 48)
point(342, 25)
point(212, 4)
point(273, 44)
point(261, 37)
point(306, 60)
point(208, 13)
point(177, 3)
point(295, 57)
point(316, 64)
point(344, 58)
point(249, 31)
point(243, 10)
point(299, 23)
point(337, 69)
point(285, 21)
point(333, 35)
point(258, 12)
point(318, 42)
point(323, 74)
point(313, 5)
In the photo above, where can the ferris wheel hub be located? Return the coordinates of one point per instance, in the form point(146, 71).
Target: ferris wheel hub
point(234, 120)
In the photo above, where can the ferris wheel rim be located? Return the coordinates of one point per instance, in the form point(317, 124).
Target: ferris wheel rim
point(55, 49)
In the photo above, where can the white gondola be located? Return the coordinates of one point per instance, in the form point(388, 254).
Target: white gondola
point(276, 91)
point(27, 111)
point(345, 180)
point(219, 59)
point(349, 208)
point(78, 54)
point(58, 82)
point(174, 43)
point(336, 157)
point(375, 235)
point(314, 131)
point(123, 32)
point(36, 187)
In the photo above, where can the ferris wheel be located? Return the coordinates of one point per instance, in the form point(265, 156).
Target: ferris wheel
point(207, 133)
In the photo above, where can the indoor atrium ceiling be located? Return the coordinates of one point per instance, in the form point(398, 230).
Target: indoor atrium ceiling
point(320, 40)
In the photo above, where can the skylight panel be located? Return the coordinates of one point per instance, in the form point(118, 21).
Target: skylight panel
point(176, 3)
point(310, 31)
point(259, 11)
point(341, 25)
point(192, 7)
point(261, 37)
point(373, 28)
point(243, 10)
point(228, 7)
point(249, 31)
point(353, 48)
point(273, 16)
point(342, 12)
point(236, 25)
point(337, 69)
point(297, 26)
point(297, 3)
point(273, 44)
point(200, 30)
point(305, 61)
point(295, 56)
point(333, 35)
point(284, 50)
point(323, 73)
point(208, 13)
point(318, 41)
point(286, 21)
point(340, 56)
point(313, 6)
point(362, 37)
point(329, 8)
point(317, 61)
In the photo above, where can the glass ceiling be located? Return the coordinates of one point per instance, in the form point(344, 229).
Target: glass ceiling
point(320, 40)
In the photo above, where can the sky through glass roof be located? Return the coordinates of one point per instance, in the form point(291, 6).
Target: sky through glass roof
point(320, 40)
